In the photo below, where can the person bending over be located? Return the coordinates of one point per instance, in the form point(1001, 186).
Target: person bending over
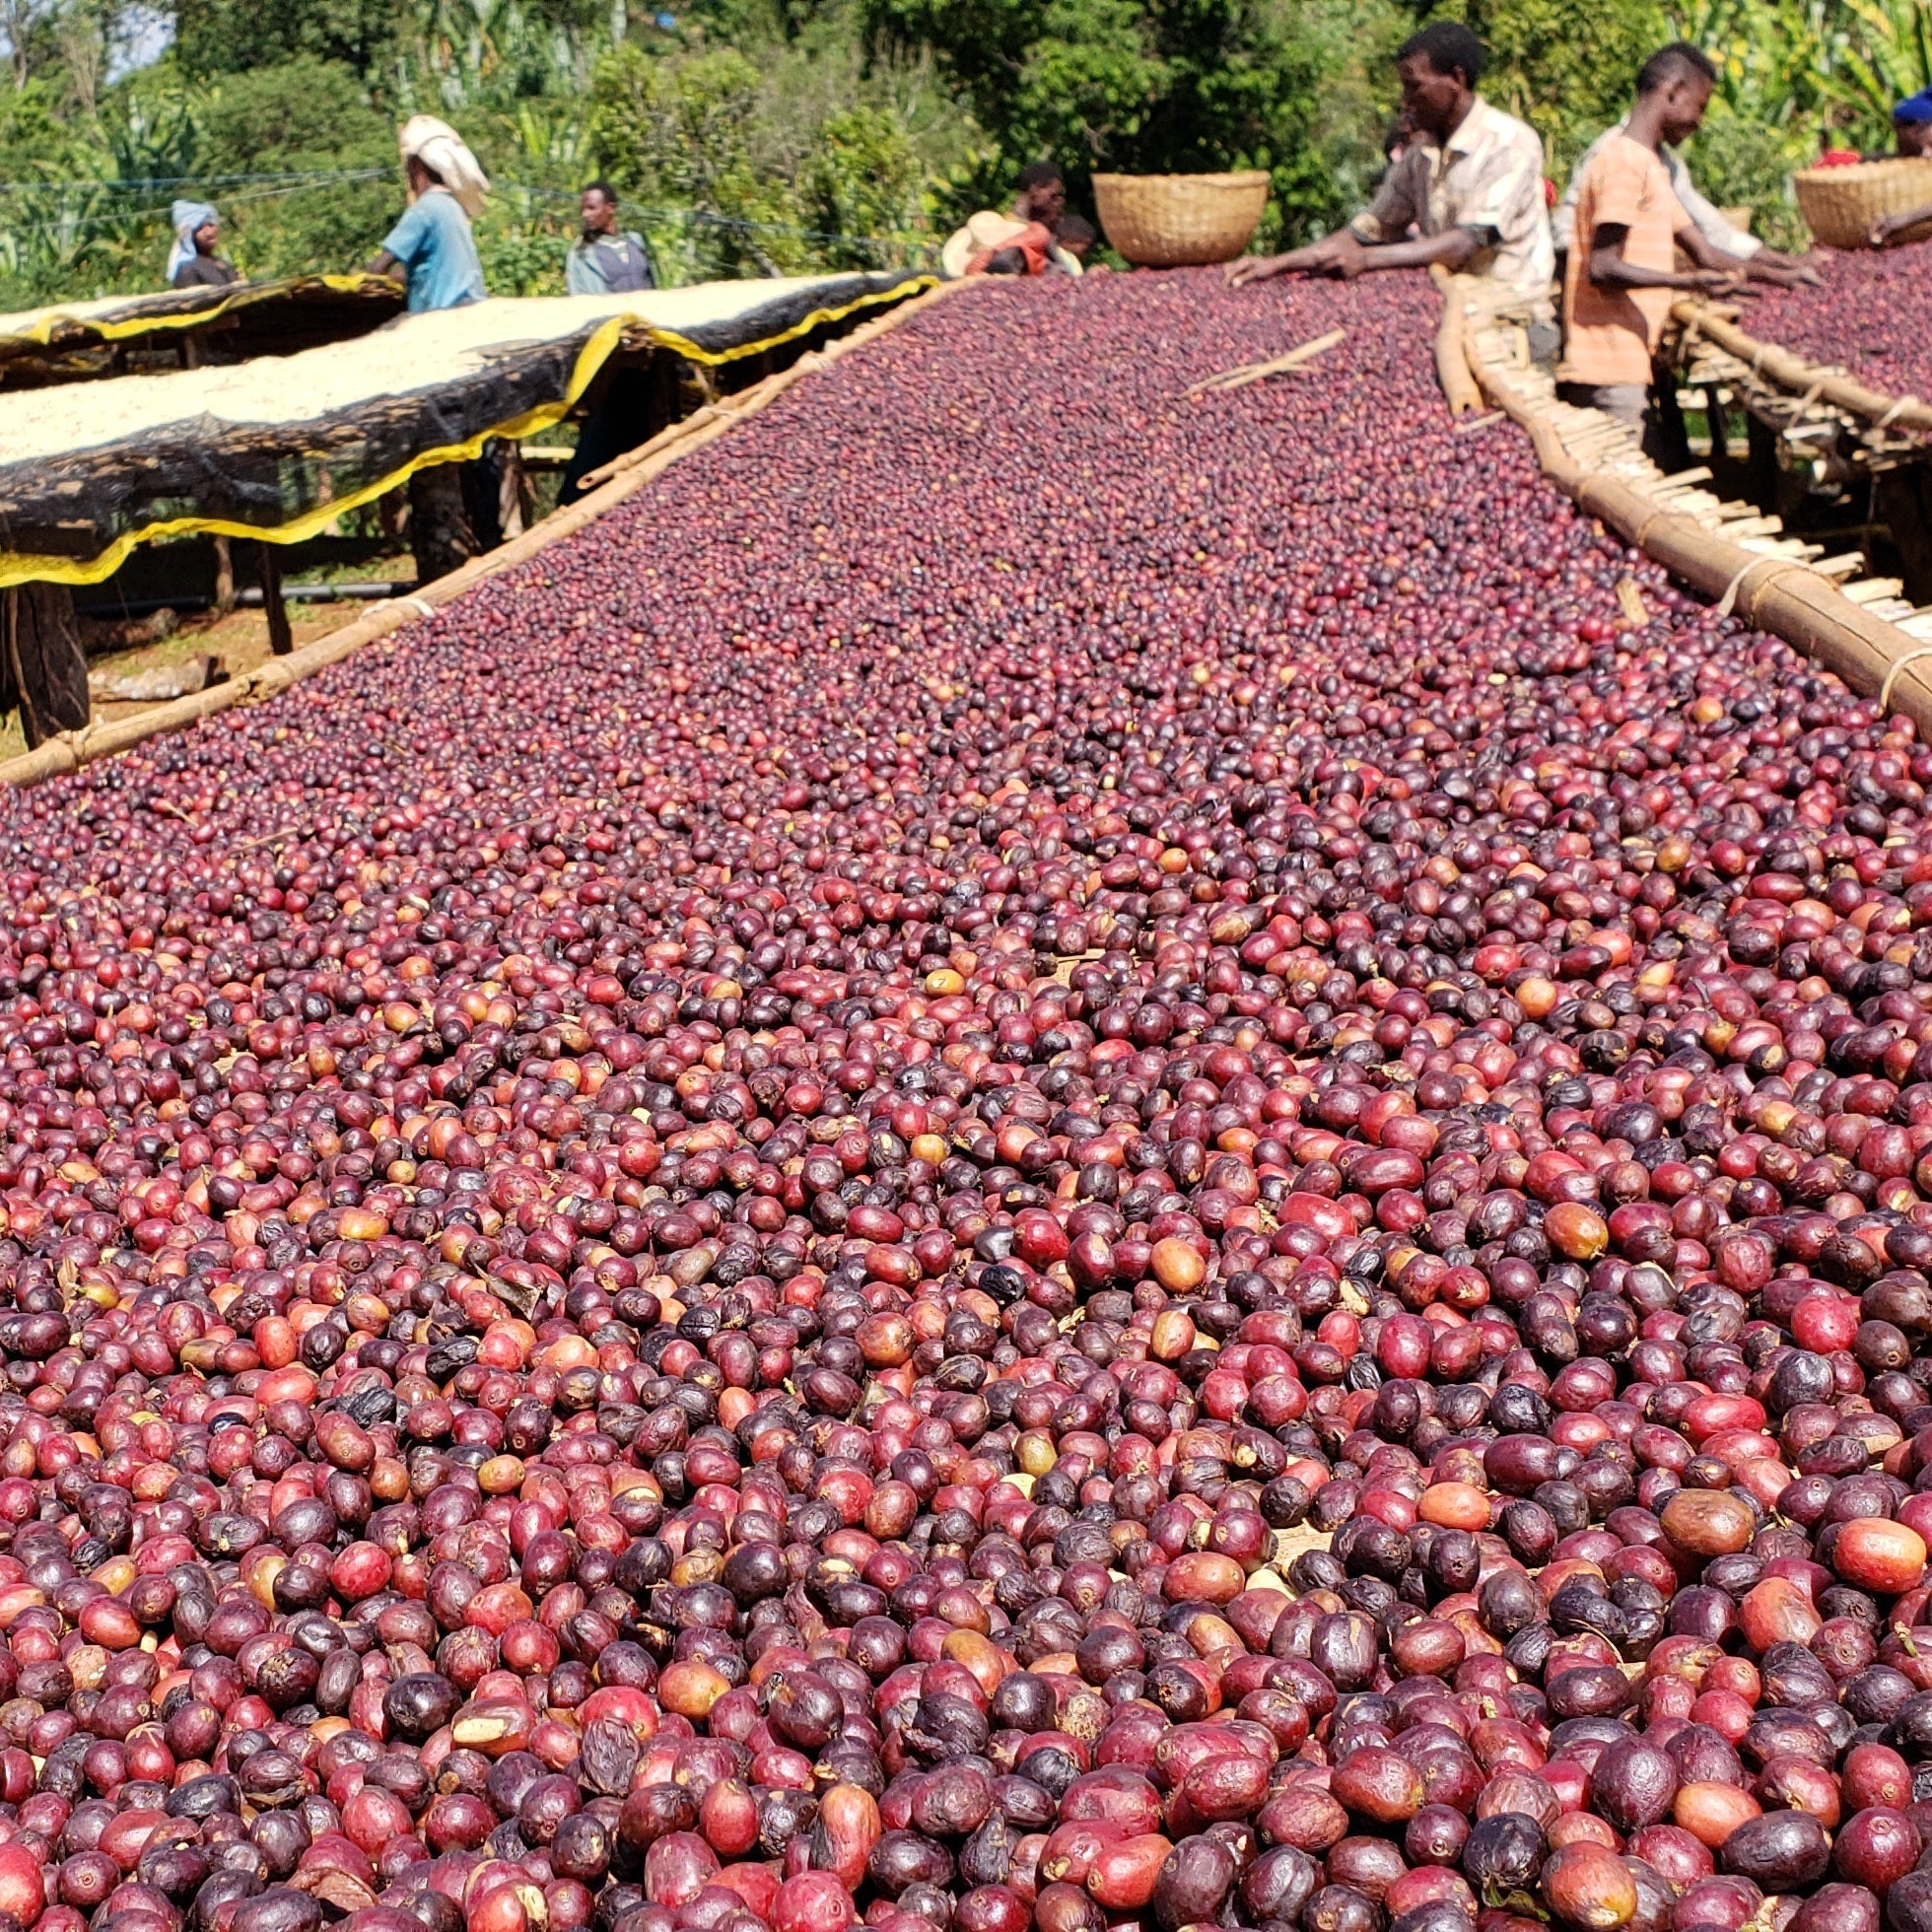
point(1470, 184)
point(1759, 262)
point(1623, 267)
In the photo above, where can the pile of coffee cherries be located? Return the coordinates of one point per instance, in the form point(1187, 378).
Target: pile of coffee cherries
point(1866, 316)
point(1046, 1153)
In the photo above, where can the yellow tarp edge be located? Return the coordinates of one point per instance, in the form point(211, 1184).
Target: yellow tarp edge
point(245, 294)
point(682, 345)
point(19, 567)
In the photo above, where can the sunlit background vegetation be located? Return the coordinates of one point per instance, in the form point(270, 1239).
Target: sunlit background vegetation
point(774, 136)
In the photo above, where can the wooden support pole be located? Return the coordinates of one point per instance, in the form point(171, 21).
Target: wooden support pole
point(223, 556)
point(440, 533)
point(1761, 465)
point(1904, 503)
point(1720, 434)
point(42, 666)
point(281, 639)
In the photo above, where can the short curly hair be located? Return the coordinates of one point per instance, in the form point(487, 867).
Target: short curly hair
point(1449, 47)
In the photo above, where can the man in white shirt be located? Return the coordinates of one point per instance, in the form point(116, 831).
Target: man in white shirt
point(1471, 185)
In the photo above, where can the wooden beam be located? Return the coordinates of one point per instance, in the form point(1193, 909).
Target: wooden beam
point(281, 638)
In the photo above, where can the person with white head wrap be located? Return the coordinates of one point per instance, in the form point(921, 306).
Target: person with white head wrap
point(452, 505)
point(432, 245)
point(444, 152)
point(192, 262)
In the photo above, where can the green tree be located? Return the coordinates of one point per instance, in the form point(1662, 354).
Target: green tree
point(1887, 54)
point(301, 116)
point(680, 130)
point(863, 182)
point(50, 226)
point(1568, 67)
point(238, 36)
point(27, 28)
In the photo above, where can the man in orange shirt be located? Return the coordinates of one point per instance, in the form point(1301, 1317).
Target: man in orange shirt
point(1621, 275)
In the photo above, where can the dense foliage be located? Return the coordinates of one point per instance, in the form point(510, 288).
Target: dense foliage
point(746, 143)
point(753, 136)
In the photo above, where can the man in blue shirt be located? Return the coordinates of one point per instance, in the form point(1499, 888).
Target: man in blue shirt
point(432, 245)
point(455, 509)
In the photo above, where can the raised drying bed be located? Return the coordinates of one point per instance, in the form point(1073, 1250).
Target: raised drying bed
point(1857, 627)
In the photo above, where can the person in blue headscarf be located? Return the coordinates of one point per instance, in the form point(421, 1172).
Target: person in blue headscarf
point(1911, 125)
point(192, 262)
point(1911, 137)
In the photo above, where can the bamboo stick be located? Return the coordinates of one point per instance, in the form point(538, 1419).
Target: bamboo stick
point(1794, 372)
point(1296, 358)
point(281, 639)
point(71, 750)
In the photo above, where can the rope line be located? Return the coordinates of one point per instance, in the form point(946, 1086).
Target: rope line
point(124, 217)
point(293, 181)
point(146, 183)
point(1898, 665)
point(1728, 602)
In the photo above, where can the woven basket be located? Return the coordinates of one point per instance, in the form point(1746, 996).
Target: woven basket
point(1840, 204)
point(1177, 221)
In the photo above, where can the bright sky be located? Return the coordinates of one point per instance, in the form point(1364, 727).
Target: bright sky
point(149, 31)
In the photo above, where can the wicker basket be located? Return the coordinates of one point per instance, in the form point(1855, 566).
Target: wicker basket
point(1840, 204)
point(1175, 220)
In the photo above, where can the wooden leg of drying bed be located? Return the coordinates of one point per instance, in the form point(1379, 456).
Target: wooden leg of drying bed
point(1905, 503)
point(281, 639)
point(42, 666)
point(223, 577)
point(440, 530)
point(1761, 462)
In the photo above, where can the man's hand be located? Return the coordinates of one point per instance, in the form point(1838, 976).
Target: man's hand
point(1348, 257)
point(1783, 274)
point(1315, 259)
point(1890, 230)
point(1713, 281)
